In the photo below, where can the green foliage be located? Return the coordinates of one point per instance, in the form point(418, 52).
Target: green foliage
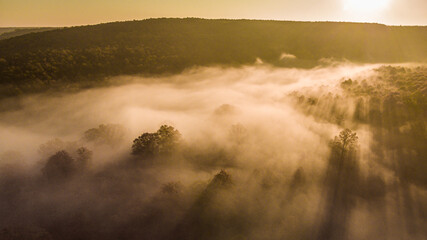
point(83, 56)
point(164, 141)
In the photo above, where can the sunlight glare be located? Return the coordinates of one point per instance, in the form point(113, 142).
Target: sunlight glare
point(365, 5)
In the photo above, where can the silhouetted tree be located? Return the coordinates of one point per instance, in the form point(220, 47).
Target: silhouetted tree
point(83, 157)
point(169, 138)
point(164, 141)
point(204, 219)
point(145, 145)
point(222, 179)
point(60, 165)
point(345, 142)
point(342, 180)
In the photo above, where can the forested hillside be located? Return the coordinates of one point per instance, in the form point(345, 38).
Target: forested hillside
point(6, 33)
point(85, 55)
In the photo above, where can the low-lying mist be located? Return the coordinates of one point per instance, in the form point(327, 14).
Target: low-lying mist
point(228, 153)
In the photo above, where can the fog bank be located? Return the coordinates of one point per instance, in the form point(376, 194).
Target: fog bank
point(256, 160)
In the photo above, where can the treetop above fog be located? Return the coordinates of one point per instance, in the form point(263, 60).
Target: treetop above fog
point(345, 141)
point(164, 141)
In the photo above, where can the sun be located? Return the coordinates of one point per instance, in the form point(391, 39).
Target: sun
point(365, 5)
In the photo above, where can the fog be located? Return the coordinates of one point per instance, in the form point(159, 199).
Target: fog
point(254, 161)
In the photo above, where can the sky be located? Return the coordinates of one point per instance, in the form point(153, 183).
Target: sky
point(37, 13)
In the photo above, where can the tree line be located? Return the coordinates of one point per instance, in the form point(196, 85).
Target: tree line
point(80, 56)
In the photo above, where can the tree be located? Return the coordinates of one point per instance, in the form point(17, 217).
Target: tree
point(169, 139)
point(342, 184)
point(145, 145)
point(164, 141)
point(59, 165)
point(346, 141)
point(222, 179)
point(83, 157)
point(62, 165)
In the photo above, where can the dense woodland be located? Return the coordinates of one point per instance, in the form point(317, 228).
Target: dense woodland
point(393, 105)
point(84, 56)
point(222, 207)
point(150, 191)
point(6, 33)
point(265, 153)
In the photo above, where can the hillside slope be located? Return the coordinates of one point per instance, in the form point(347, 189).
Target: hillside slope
point(156, 46)
point(6, 33)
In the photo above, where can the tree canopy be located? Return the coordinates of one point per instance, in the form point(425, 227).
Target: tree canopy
point(164, 141)
point(84, 56)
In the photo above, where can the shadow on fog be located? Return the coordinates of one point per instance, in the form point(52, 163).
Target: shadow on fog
point(341, 183)
point(261, 165)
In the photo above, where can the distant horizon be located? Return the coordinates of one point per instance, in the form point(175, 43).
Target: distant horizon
point(200, 119)
point(46, 13)
point(249, 19)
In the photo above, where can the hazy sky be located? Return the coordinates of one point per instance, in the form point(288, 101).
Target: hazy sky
point(82, 12)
